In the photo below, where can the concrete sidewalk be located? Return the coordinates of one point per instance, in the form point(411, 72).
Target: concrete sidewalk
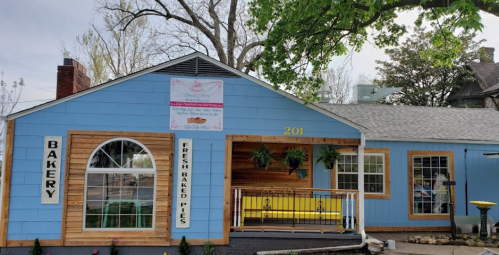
point(403, 247)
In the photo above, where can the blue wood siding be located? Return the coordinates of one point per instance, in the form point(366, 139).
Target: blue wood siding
point(482, 178)
point(142, 104)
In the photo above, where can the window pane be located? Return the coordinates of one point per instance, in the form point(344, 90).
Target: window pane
point(128, 221)
point(113, 150)
point(94, 207)
point(129, 180)
point(112, 180)
point(93, 221)
point(128, 193)
point(128, 207)
point(146, 193)
point(146, 221)
point(146, 207)
point(94, 193)
point(95, 180)
point(146, 180)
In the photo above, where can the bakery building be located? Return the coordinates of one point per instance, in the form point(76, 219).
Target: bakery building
point(166, 152)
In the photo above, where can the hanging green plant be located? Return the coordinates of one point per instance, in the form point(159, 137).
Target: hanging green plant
point(329, 156)
point(295, 157)
point(262, 156)
point(302, 173)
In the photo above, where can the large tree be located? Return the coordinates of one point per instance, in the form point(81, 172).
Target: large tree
point(214, 27)
point(111, 50)
point(422, 82)
point(306, 34)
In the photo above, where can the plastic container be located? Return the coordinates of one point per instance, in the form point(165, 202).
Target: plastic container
point(391, 245)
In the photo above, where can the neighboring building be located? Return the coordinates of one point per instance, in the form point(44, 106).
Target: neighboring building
point(165, 153)
point(473, 94)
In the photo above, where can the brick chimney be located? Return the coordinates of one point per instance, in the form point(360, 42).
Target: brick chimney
point(488, 56)
point(71, 78)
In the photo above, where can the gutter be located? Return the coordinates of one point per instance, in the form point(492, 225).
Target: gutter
point(361, 214)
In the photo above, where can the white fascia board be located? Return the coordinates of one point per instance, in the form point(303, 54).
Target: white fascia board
point(491, 155)
point(174, 62)
point(427, 140)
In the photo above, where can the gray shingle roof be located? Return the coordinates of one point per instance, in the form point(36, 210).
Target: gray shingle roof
point(421, 123)
point(487, 73)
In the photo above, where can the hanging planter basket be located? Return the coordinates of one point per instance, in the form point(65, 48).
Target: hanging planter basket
point(295, 157)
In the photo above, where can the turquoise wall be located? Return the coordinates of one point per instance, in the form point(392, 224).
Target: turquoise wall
point(483, 176)
point(142, 104)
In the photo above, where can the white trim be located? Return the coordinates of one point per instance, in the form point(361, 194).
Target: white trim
point(428, 140)
point(354, 173)
point(360, 160)
point(174, 62)
point(120, 171)
point(2, 178)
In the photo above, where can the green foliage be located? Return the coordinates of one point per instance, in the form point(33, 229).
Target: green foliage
point(304, 36)
point(412, 67)
point(36, 249)
point(208, 248)
point(183, 246)
point(329, 156)
point(299, 154)
point(113, 250)
point(263, 156)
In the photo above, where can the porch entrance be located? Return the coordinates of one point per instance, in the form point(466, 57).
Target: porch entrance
point(278, 199)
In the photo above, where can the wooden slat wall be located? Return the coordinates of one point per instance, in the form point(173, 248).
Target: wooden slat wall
point(80, 146)
point(245, 173)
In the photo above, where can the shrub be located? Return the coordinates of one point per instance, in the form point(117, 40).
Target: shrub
point(183, 246)
point(208, 248)
point(36, 249)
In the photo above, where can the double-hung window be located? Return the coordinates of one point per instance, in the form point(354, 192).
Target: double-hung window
point(376, 172)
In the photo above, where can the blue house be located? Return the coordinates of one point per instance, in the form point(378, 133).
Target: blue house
point(148, 158)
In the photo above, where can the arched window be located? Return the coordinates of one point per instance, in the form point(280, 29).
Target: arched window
point(120, 186)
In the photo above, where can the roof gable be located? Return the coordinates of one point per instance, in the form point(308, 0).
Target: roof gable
point(200, 65)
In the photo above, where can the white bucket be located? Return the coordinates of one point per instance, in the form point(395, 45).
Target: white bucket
point(391, 245)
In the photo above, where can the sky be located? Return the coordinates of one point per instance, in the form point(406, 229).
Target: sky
point(32, 34)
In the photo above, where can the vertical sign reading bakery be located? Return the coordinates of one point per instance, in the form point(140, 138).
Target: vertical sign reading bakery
point(184, 183)
point(196, 104)
point(51, 169)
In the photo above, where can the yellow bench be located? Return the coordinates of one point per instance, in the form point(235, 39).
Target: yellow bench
point(263, 207)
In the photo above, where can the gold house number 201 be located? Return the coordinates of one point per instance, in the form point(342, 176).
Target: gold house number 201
point(293, 131)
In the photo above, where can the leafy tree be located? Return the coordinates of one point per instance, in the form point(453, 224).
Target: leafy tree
point(214, 27)
point(423, 83)
point(306, 34)
point(112, 50)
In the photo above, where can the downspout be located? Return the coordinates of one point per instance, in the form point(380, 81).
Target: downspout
point(360, 162)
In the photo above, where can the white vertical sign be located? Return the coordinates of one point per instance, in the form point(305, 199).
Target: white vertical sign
point(51, 169)
point(184, 183)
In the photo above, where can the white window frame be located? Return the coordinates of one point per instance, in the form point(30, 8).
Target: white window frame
point(120, 171)
point(365, 173)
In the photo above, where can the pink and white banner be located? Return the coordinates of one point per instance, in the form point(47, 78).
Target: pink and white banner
point(196, 104)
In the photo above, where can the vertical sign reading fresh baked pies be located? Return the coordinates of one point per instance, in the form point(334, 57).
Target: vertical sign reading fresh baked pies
point(196, 104)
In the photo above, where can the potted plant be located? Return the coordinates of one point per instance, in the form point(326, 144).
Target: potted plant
point(262, 156)
point(329, 156)
point(294, 158)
